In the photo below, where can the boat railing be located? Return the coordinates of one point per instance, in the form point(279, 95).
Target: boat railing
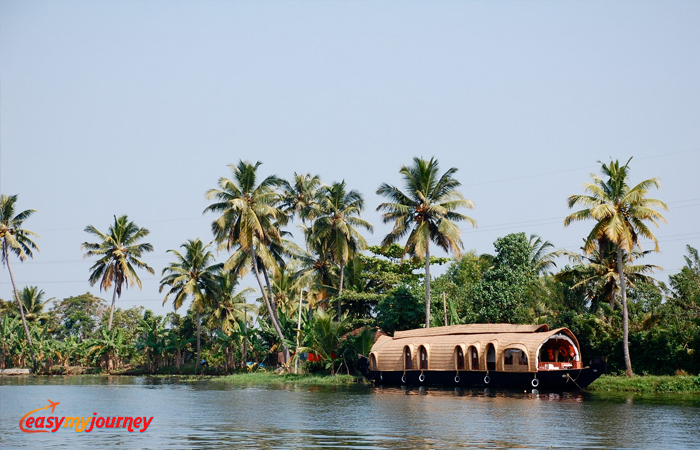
point(560, 365)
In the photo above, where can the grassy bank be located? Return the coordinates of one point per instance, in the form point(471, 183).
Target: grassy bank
point(680, 384)
point(273, 378)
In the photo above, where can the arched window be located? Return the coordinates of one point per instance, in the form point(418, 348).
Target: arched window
point(490, 357)
point(514, 357)
point(459, 358)
point(372, 362)
point(473, 357)
point(423, 358)
point(407, 359)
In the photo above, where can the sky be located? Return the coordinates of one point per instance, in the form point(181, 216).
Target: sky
point(124, 107)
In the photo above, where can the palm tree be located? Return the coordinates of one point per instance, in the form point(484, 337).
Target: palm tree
point(335, 228)
point(191, 275)
point(316, 272)
point(229, 307)
point(249, 223)
point(597, 273)
point(299, 197)
point(620, 213)
point(19, 241)
point(119, 253)
point(32, 299)
point(426, 212)
point(541, 259)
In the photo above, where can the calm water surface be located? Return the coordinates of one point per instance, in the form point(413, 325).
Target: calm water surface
point(211, 414)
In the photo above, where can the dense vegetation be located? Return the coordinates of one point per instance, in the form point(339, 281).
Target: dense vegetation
point(322, 304)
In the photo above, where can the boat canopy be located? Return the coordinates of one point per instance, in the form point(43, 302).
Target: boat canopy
point(517, 348)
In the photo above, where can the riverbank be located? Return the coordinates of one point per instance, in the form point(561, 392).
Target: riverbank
point(657, 384)
point(273, 378)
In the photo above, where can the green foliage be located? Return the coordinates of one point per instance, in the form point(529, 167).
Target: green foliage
point(467, 270)
point(400, 310)
point(648, 384)
point(33, 302)
point(287, 378)
point(358, 307)
point(686, 284)
point(501, 295)
point(78, 316)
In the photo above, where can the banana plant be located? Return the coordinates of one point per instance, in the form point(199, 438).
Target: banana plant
point(323, 336)
point(9, 333)
point(153, 341)
point(107, 347)
point(177, 345)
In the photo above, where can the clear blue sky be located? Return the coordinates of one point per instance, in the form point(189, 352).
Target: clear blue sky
point(127, 107)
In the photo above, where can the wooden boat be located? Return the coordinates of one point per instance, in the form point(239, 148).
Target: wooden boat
point(482, 355)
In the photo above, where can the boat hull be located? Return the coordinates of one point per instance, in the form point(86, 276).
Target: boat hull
point(554, 380)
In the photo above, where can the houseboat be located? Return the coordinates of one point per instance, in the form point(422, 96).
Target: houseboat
point(482, 355)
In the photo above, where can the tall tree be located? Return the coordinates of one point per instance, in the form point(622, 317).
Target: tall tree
point(596, 275)
point(229, 307)
point(250, 225)
point(336, 226)
point(191, 275)
point(425, 211)
point(620, 213)
point(32, 299)
point(300, 195)
point(119, 253)
point(541, 255)
point(19, 241)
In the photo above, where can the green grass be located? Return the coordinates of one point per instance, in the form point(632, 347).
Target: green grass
point(273, 378)
point(680, 384)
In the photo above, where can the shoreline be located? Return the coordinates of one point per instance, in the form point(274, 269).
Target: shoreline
point(648, 384)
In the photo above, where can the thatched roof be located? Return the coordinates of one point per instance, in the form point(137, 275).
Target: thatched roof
point(440, 343)
point(473, 328)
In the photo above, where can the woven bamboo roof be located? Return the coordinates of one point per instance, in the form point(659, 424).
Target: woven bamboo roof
point(473, 328)
point(441, 342)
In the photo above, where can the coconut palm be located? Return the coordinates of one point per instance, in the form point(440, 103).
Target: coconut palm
point(191, 275)
point(299, 197)
point(250, 225)
point(32, 300)
point(425, 211)
point(541, 256)
point(229, 308)
point(119, 253)
point(316, 272)
point(597, 273)
point(19, 241)
point(336, 226)
point(620, 213)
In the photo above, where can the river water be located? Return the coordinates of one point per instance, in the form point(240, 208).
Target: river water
point(213, 414)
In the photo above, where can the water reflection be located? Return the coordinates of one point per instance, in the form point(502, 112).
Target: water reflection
point(214, 414)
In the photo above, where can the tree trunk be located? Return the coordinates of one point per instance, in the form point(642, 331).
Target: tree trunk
point(273, 302)
point(245, 336)
point(273, 315)
point(199, 333)
point(296, 360)
point(444, 308)
point(427, 285)
point(21, 308)
point(340, 290)
point(111, 309)
point(625, 318)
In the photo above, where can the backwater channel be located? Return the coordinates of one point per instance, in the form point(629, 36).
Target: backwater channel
point(215, 414)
